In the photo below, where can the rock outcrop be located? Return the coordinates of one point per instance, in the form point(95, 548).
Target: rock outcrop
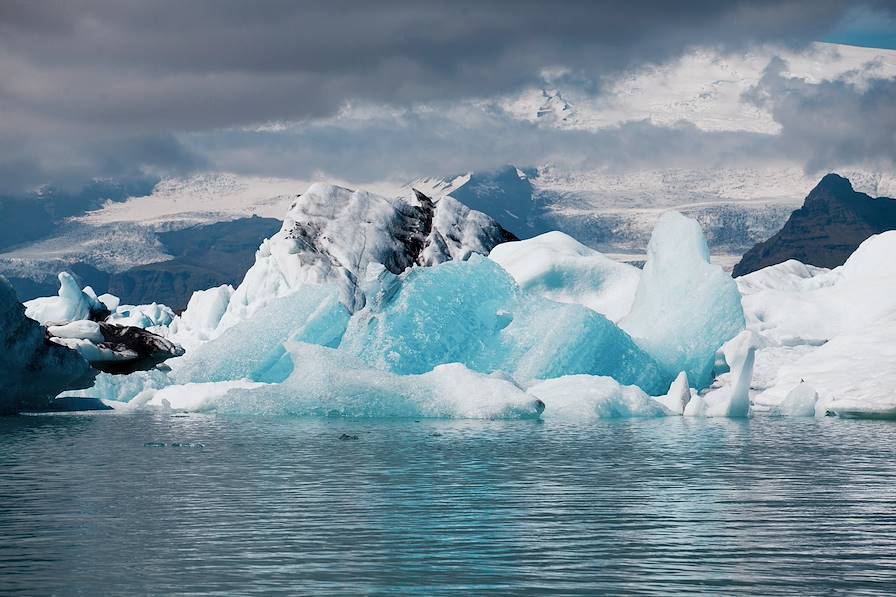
point(834, 220)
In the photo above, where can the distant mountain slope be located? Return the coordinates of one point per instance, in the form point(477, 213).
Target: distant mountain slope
point(202, 256)
point(39, 214)
point(831, 224)
point(205, 256)
point(506, 194)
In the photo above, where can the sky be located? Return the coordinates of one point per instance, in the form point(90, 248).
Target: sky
point(372, 90)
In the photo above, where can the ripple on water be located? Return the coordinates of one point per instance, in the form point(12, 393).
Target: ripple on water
point(437, 507)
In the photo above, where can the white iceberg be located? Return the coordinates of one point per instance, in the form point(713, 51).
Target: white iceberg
point(582, 398)
point(560, 268)
point(71, 304)
point(327, 382)
point(685, 308)
point(336, 318)
point(830, 329)
point(331, 235)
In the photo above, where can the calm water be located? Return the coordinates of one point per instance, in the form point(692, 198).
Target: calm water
point(89, 504)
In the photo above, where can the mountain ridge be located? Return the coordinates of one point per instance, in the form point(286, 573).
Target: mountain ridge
point(832, 222)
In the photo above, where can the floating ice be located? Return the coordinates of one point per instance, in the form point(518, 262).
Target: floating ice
point(331, 234)
point(733, 399)
point(800, 402)
point(831, 329)
point(149, 316)
point(684, 308)
point(678, 396)
point(71, 304)
point(32, 369)
point(327, 382)
point(203, 314)
point(84, 330)
point(473, 313)
point(581, 398)
point(253, 349)
point(463, 339)
point(190, 396)
point(562, 269)
point(116, 390)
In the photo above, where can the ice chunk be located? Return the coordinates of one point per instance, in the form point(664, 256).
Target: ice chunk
point(92, 352)
point(872, 259)
point(800, 402)
point(327, 382)
point(194, 397)
point(732, 399)
point(83, 329)
point(199, 322)
point(562, 269)
point(789, 307)
point(253, 348)
point(146, 317)
point(32, 369)
point(118, 389)
point(831, 329)
point(678, 396)
point(580, 398)
point(450, 313)
point(854, 373)
point(684, 308)
point(473, 313)
point(71, 304)
point(110, 301)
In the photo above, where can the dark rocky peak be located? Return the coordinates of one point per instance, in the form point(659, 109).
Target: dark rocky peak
point(833, 221)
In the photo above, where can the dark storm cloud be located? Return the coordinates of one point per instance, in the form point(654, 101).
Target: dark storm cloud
point(408, 145)
point(831, 123)
point(87, 80)
point(197, 65)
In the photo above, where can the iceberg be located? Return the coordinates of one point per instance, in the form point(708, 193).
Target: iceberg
point(254, 349)
point(560, 268)
point(326, 382)
point(145, 317)
point(733, 398)
point(799, 402)
point(332, 234)
point(831, 330)
point(679, 395)
point(685, 308)
point(582, 398)
point(110, 336)
point(71, 304)
point(32, 369)
point(339, 319)
point(472, 312)
point(200, 319)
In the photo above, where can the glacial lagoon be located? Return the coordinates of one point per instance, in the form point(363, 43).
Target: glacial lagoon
point(205, 504)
